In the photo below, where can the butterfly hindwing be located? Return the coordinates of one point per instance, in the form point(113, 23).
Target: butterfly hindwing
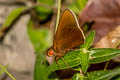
point(69, 34)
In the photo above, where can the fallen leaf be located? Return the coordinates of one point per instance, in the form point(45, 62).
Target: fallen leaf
point(111, 40)
point(105, 14)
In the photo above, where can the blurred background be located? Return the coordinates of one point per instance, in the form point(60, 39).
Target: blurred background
point(27, 27)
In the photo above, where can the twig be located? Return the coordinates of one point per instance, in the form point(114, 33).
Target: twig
point(106, 65)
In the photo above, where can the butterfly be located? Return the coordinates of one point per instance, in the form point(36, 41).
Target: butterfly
point(68, 35)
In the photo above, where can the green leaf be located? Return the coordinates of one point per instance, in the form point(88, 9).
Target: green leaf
point(48, 2)
point(96, 56)
point(103, 75)
point(70, 58)
point(81, 4)
point(78, 5)
point(40, 38)
point(102, 54)
point(42, 11)
point(12, 16)
point(78, 76)
point(74, 8)
point(85, 53)
point(84, 59)
point(89, 40)
point(40, 69)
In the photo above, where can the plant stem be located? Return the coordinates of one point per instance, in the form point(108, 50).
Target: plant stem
point(81, 72)
point(58, 14)
point(2, 67)
point(106, 65)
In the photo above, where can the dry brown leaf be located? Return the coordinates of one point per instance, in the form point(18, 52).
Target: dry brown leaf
point(105, 13)
point(111, 40)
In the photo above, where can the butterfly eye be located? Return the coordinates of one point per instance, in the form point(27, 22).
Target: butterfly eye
point(50, 53)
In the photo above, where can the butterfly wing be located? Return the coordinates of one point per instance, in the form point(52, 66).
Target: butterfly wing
point(69, 34)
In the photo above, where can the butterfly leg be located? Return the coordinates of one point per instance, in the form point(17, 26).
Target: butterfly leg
point(56, 59)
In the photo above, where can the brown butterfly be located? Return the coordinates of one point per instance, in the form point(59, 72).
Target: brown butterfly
point(68, 36)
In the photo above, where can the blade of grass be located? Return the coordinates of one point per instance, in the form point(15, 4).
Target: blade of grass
point(58, 14)
point(2, 67)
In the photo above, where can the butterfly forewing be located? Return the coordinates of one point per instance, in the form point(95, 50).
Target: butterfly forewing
point(68, 35)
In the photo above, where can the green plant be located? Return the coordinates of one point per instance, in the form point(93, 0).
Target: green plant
point(41, 40)
point(85, 57)
point(3, 69)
